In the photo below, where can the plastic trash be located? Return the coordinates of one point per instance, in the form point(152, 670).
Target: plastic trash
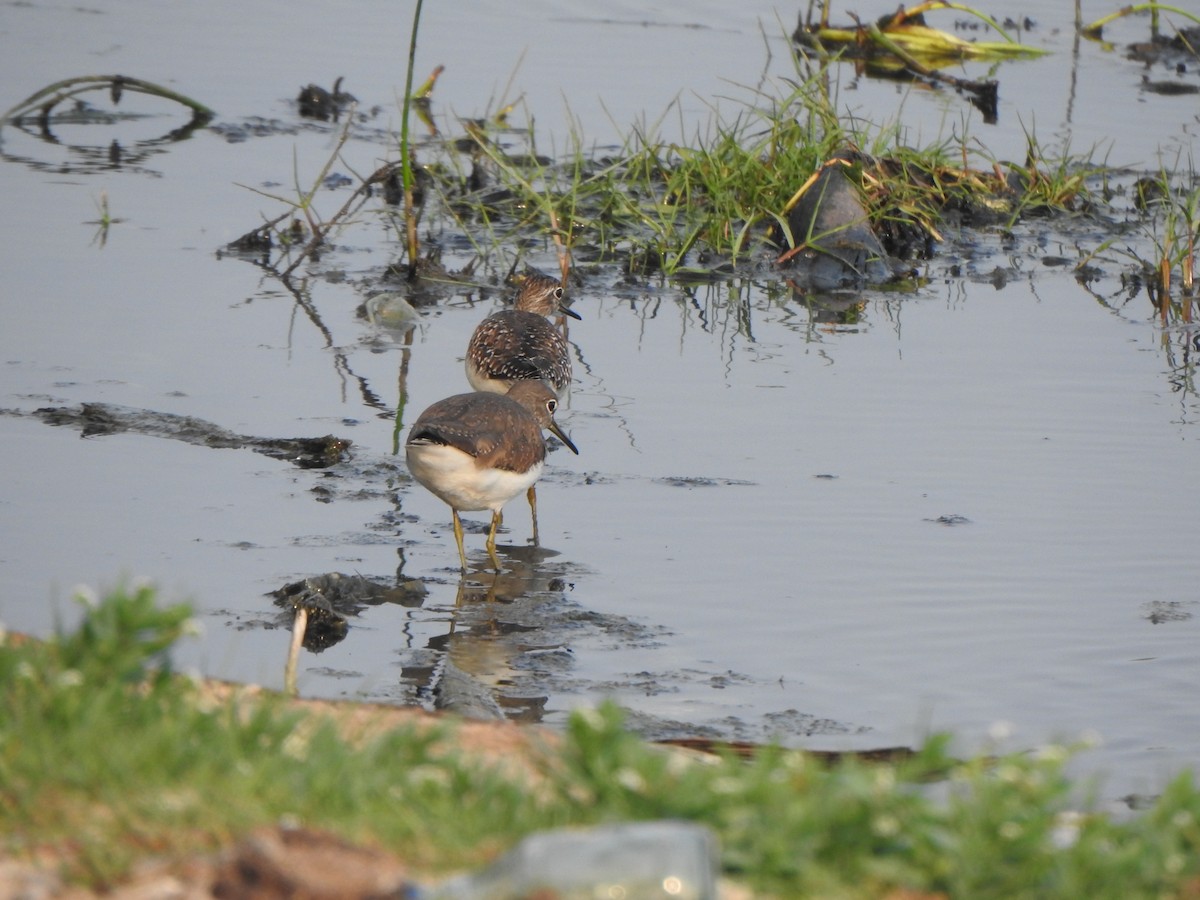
point(626, 861)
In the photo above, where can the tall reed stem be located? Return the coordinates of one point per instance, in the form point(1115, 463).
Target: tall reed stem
point(410, 213)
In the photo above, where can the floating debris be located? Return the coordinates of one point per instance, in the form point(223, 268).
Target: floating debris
point(314, 102)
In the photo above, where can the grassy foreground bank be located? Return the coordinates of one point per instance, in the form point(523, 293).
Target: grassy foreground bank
point(107, 757)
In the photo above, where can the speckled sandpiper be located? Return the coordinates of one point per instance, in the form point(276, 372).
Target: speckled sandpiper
point(521, 344)
point(478, 451)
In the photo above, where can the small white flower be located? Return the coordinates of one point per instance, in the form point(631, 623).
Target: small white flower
point(796, 761)
point(1053, 753)
point(886, 826)
point(1010, 774)
point(295, 745)
point(419, 776)
point(1065, 832)
point(631, 780)
point(677, 763)
point(590, 717)
point(726, 785)
point(85, 595)
point(1001, 730)
point(192, 627)
point(885, 780)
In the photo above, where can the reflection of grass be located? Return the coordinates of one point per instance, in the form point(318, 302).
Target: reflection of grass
point(106, 757)
point(103, 222)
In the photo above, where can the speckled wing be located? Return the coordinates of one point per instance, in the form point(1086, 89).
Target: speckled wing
point(513, 345)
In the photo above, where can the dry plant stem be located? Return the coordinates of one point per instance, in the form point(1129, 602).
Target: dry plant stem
point(410, 230)
point(299, 626)
point(957, 7)
point(1188, 279)
point(564, 255)
point(787, 207)
point(1164, 287)
point(1095, 27)
point(911, 62)
point(48, 97)
point(1188, 263)
point(784, 257)
point(320, 230)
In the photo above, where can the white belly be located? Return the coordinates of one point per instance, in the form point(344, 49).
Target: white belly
point(452, 475)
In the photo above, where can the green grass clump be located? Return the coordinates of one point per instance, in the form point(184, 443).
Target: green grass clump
point(721, 200)
point(653, 203)
point(106, 756)
point(709, 205)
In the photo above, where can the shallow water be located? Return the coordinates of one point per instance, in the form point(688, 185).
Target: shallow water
point(974, 504)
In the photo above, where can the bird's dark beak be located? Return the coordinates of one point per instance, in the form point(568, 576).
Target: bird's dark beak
point(567, 311)
point(561, 435)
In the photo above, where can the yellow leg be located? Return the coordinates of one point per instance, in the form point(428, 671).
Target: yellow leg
point(458, 536)
point(532, 495)
point(497, 518)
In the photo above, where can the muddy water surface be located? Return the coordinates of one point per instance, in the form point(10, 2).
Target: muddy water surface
point(966, 504)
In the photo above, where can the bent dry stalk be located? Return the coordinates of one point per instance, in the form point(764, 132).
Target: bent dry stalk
point(50, 96)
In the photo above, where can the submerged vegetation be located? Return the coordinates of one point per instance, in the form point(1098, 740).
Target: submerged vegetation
point(106, 755)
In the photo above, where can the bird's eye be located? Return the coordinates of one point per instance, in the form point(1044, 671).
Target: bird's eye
point(551, 405)
point(558, 293)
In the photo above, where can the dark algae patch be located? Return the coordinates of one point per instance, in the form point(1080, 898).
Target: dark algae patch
point(97, 419)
